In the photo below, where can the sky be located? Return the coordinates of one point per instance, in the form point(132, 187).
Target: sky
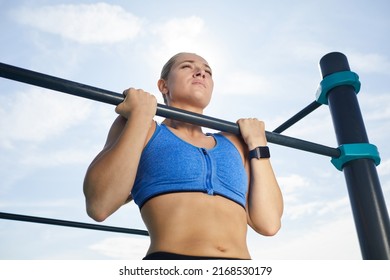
point(264, 56)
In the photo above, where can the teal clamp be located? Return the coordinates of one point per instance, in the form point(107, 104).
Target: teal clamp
point(354, 151)
point(336, 79)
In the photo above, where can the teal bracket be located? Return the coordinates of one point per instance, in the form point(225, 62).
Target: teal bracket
point(336, 79)
point(356, 151)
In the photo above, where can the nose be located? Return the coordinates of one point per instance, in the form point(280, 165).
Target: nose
point(199, 73)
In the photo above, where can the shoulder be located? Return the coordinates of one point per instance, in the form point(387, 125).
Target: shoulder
point(117, 128)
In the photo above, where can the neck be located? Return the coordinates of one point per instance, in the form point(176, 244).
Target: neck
point(184, 127)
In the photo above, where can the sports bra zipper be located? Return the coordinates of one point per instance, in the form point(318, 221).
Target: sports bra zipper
point(209, 186)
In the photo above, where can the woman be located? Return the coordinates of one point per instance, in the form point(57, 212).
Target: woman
point(196, 192)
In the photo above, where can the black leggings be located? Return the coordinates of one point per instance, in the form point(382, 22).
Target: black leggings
point(173, 256)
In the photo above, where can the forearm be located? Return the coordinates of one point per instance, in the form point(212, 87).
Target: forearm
point(264, 199)
point(110, 177)
point(265, 202)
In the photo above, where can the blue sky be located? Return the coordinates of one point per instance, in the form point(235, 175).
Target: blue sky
point(264, 56)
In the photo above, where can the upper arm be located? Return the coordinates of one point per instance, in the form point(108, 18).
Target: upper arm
point(113, 134)
point(115, 131)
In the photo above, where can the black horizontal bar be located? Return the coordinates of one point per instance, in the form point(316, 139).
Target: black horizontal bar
point(32, 219)
point(297, 117)
point(97, 94)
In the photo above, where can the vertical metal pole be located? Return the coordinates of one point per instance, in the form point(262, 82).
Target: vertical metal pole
point(367, 201)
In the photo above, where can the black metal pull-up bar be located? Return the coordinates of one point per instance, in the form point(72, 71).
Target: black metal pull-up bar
point(102, 95)
point(297, 117)
point(56, 222)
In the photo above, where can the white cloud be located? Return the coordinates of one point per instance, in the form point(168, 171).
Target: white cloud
point(376, 107)
point(307, 51)
point(39, 205)
point(297, 211)
point(384, 168)
point(305, 209)
point(242, 82)
point(302, 201)
point(317, 127)
point(292, 187)
point(332, 239)
point(335, 206)
point(83, 23)
point(122, 247)
point(35, 115)
point(368, 63)
point(180, 33)
point(187, 34)
point(66, 156)
point(292, 183)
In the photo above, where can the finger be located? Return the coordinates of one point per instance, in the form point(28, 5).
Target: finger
point(126, 91)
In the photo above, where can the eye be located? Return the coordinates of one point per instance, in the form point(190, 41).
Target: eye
point(186, 66)
point(209, 72)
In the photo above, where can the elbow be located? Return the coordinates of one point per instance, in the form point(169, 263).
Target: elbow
point(98, 206)
point(270, 230)
point(96, 212)
point(94, 207)
point(97, 218)
point(267, 228)
point(101, 199)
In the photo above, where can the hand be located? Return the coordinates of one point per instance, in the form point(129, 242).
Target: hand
point(252, 132)
point(137, 102)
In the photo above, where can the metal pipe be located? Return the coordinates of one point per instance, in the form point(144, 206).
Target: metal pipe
point(297, 117)
point(32, 219)
point(367, 201)
point(97, 94)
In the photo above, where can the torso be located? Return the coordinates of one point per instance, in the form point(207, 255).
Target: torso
point(193, 223)
point(196, 224)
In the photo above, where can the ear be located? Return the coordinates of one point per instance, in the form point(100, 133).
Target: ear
point(162, 86)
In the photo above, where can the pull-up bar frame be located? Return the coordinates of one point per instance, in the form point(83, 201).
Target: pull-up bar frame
point(365, 193)
point(110, 97)
point(368, 206)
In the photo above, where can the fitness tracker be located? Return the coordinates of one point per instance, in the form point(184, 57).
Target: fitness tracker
point(259, 152)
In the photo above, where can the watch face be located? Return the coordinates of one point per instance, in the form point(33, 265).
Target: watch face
point(259, 152)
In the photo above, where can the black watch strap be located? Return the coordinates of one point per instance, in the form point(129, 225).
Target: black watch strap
point(259, 152)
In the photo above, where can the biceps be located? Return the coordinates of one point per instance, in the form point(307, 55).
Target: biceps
point(115, 131)
point(113, 135)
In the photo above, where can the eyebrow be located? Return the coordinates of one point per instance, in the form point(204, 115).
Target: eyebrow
point(193, 61)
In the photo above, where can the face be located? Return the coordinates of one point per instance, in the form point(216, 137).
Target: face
point(189, 84)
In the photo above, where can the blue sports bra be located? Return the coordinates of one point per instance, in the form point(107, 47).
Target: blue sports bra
point(169, 164)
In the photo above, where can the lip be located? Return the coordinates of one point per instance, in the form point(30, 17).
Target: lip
point(198, 82)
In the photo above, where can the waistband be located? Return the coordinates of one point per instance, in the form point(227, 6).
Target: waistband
point(173, 256)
